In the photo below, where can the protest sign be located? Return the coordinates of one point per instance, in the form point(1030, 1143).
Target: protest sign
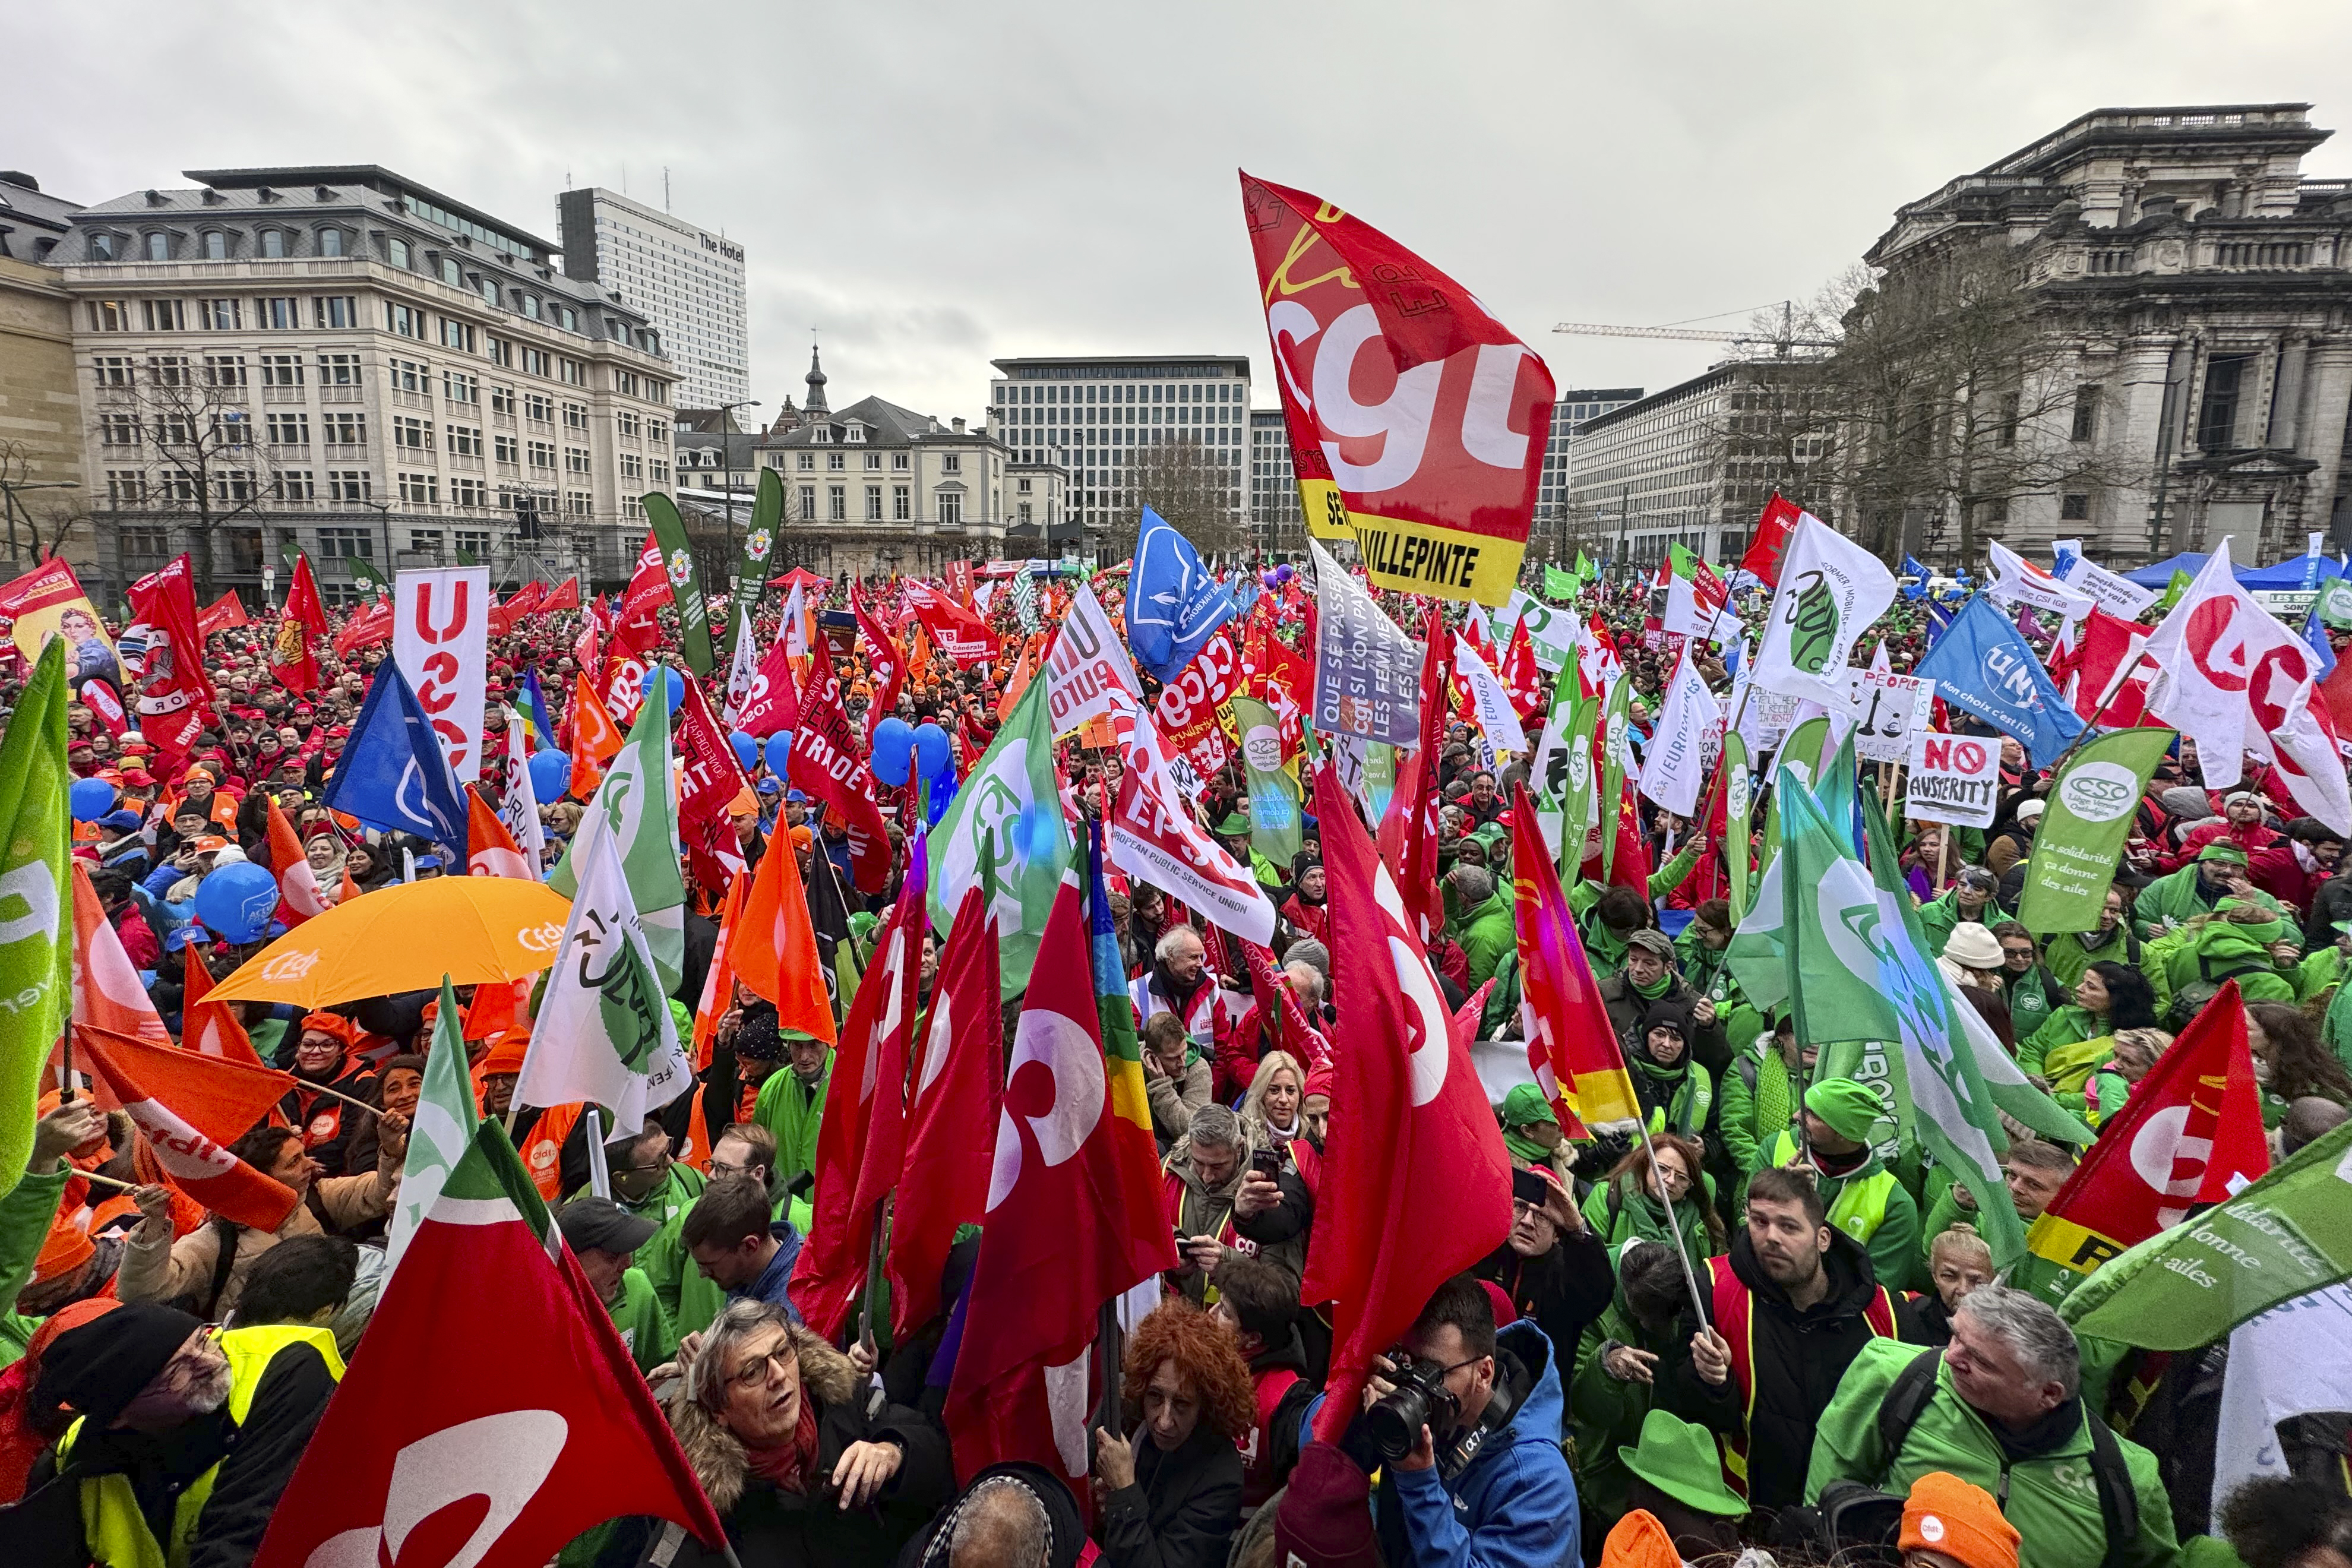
point(1884, 708)
point(440, 639)
point(1953, 778)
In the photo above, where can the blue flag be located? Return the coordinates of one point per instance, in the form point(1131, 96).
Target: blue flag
point(534, 704)
point(391, 775)
point(1173, 604)
point(1917, 589)
point(2314, 634)
point(1982, 666)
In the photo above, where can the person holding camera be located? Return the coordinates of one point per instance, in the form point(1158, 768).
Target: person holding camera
point(1202, 1177)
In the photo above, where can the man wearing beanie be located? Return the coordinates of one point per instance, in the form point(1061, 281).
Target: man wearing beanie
point(185, 1435)
point(1948, 1523)
point(1865, 1199)
point(2000, 1408)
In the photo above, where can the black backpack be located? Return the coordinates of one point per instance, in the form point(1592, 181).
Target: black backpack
point(2190, 999)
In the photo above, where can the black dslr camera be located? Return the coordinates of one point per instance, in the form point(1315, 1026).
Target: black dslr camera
point(1417, 1398)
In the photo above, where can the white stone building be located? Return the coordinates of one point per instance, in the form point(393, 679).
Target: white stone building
point(688, 280)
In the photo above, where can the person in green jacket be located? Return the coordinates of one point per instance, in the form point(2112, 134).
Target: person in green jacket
point(29, 1209)
point(1675, 1092)
point(604, 1238)
point(2076, 1038)
point(1618, 1364)
point(649, 1182)
point(1865, 1199)
point(1531, 1134)
point(1607, 923)
point(2239, 941)
point(2034, 1170)
point(1970, 898)
point(2219, 872)
point(2070, 953)
point(1478, 913)
point(791, 1106)
point(2136, 1051)
point(2031, 991)
point(1762, 1094)
point(2007, 1413)
point(1629, 1206)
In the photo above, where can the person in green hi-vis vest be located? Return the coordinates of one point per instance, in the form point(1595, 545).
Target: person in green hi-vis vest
point(1865, 1199)
point(792, 1105)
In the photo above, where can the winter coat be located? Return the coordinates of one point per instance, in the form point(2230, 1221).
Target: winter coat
point(2173, 900)
point(165, 1269)
point(1617, 1213)
point(787, 1108)
point(772, 1528)
point(1627, 1008)
point(1561, 1291)
point(1182, 1509)
point(2069, 953)
point(1486, 934)
point(1196, 1209)
point(2051, 1496)
point(1173, 1100)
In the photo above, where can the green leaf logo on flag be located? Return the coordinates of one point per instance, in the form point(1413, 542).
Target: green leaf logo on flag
point(637, 801)
point(629, 1000)
point(1812, 626)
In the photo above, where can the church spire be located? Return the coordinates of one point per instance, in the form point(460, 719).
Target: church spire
point(815, 403)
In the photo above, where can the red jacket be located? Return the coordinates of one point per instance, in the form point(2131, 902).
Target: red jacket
point(2251, 837)
point(2279, 871)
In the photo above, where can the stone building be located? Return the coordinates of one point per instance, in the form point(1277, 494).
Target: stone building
point(341, 360)
point(2195, 290)
point(43, 505)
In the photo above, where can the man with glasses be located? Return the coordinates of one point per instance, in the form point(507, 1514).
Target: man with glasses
point(2032, 992)
point(649, 1184)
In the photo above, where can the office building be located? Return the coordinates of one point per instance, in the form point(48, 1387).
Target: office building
point(1550, 532)
point(341, 360)
point(688, 280)
point(1277, 524)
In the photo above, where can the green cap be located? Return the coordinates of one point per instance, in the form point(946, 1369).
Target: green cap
point(2223, 851)
point(1680, 1459)
point(1525, 1105)
point(1850, 1110)
point(1235, 825)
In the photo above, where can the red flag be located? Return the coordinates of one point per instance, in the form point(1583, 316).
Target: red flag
point(710, 781)
point(952, 1105)
point(1571, 1044)
point(490, 849)
point(191, 1105)
point(1416, 1182)
point(884, 656)
point(961, 636)
point(222, 614)
point(525, 602)
point(2191, 1134)
point(775, 702)
point(1048, 1260)
point(298, 886)
point(771, 947)
point(1773, 531)
point(865, 1106)
point(366, 629)
point(291, 662)
point(648, 589)
point(173, 690)
point(627, 662)
point(101, 699)
point(494, 1447)
point(1438, 468)
point(825, 763)
point(1416, 870)
point(564, 596)
point(1521, 676)
point(595, 740)
point(210, 1029)
point(2103, 644)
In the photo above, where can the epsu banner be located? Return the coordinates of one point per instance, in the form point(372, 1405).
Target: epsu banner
point(1417, 421)
point(440, 639)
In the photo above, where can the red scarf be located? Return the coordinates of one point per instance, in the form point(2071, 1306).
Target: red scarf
point(789, 1466)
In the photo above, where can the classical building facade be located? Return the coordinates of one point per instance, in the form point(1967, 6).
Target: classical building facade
point(875, 488)
point(43, 503)
point(2196, 293)
point(1091, 416)
point(686, 279)
point(339, 360)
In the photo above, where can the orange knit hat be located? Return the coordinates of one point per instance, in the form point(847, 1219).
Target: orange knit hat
point(69, 1247)
point(506, 1055)
point(1946, 1515)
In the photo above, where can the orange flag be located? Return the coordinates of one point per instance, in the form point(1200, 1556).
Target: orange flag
point(719, 980)
point(193, 1106)
point(595, 740)
point(1015, 684)
point(106, 988)
point(774, 951)
point(490, 849)
point(210, 1029)
point(298, 886)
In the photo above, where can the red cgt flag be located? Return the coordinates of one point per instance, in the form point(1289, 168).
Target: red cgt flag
point(2196, 1118)
point(564, 596)
point(190, 1106)
point(494, 1447)
point(952, 1105)
point(1417, 1184)
point(174, 692)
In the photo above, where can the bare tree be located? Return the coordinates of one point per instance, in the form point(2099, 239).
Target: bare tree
point(1181, 481)
point(191, 425)
point(37, 526)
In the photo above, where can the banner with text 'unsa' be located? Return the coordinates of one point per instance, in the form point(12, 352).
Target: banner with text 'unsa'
point(1417, 421)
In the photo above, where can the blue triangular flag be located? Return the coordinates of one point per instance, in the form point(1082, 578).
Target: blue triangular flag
point(391, 775)
point(1173, 604)
point(2315, 633)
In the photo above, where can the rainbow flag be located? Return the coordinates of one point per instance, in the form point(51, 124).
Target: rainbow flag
point(1571, 1045)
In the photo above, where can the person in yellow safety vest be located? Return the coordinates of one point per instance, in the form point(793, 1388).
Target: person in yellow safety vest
point(1866, 1200)
point(186, 1436)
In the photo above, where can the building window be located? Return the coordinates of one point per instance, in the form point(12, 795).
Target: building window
point(289, 429)
point(348, 485)
point(470, 493)
point(575, 459)
point(220, 315)
point(530, 305)
point(119, 430)
point(458, 388)
point(837, 503)
point(575, 416)
point(414, 435)
point(2086, 413)
point(159, 247)
point(347, 544)
point(473, 542)
point(339, 370)
point(542, 455)
point(344, 429)
point(808, 503)
point(808, 462)
point(572, 369)
point(506, 449)
point(539, 408)
point(282, 369)
point(340, 311)
point(407, 320)
point(632, 465)
point(407, 376)
point(331, 242)
point(502, 401)
point(835, 462)
point(2074, 507)
point(952, 462)
point(821, 435)
point(424, 542)
point(102, 248)
point(273, 244)
point(420, 489)
point(2217, 421)
point(874, 503)
point(294, 484)
point(898, 462)
point(277, 315)
point(163, 315)
point(489, 288)
point(902, 505)
point(395, 250)
point(169, 370)
point(216, 246)
point(571, 320)
point(464, 440)
point(499, 351)
point(223, 370)
point(110, 315)
point(457, 334)
point(950, 505)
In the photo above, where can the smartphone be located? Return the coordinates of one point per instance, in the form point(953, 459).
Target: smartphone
point(1266, 1162)
point(1529, 1188)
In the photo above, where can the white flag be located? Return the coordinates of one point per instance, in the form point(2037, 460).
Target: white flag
point(794, 630)
point(1087, 667)
point(743, 673)
point(1676, 768)
point(1831, 591)
point(1497, 718)
point(2016, 579)
point(603, 1033)
point(1154, 836)
point(522, 801)
point(2291, 1361)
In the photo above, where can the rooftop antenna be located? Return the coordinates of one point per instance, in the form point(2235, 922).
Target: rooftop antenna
point(624, 179)
point(665, 188)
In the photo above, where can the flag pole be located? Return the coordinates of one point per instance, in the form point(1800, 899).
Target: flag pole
point(874, 1253)
point(600, 1177)
point(1109, 1341)
point(1674, 1227)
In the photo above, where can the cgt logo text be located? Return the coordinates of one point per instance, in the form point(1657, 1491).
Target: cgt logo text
point(1418, 557)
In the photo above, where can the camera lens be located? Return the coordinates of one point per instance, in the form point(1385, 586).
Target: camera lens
point(1394, 1423)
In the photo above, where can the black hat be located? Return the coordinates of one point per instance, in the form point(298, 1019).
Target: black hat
point(603, 1225)
point(101, 1366)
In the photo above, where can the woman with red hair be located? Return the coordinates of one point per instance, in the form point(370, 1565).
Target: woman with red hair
point(1171, 1496)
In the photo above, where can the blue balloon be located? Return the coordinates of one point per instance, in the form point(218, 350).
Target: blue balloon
point(1036, 832)
point(943, 794)
point(931, 749)
point(746, 748)
point(235, 901)
point(91, 799)
point(551, 775)
point(676, 684)
point(780, 752)
point(894, 751)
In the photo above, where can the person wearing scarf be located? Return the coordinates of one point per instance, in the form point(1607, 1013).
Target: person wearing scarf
point(1531, 1134)
point(326, 1058)
point(1305, 908)
point(1674, 1091)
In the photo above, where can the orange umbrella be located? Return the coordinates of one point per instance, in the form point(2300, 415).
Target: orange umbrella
point(475, 930)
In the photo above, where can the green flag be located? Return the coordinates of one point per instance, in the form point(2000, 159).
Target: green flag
point(638, 799)
point(1738, 800)
point(2286, 1235)
point(363, 573)
point(1617, 753)
point(2174, 589)
point(489, 1180)
point(1380, 776)
point(35, 905)
point(1013, 794)
point(1558, 584)
point(685, 581)
point(759, 549)
point(2091, 808)
point(1563, 773)
point(1583, 568)
point(439, 1130)
point(1276, 827)
point(2335, 604)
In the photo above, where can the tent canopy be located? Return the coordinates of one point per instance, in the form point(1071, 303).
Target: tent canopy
point(2287, 574)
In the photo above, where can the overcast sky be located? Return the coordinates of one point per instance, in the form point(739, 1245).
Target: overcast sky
point(933, 185)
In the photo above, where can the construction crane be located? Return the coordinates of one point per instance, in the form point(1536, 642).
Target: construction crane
point(1782, 342)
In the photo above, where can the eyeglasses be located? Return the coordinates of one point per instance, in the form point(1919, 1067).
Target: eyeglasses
point(1672, 1177)
point(754, 1372)
point(721, 1168)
